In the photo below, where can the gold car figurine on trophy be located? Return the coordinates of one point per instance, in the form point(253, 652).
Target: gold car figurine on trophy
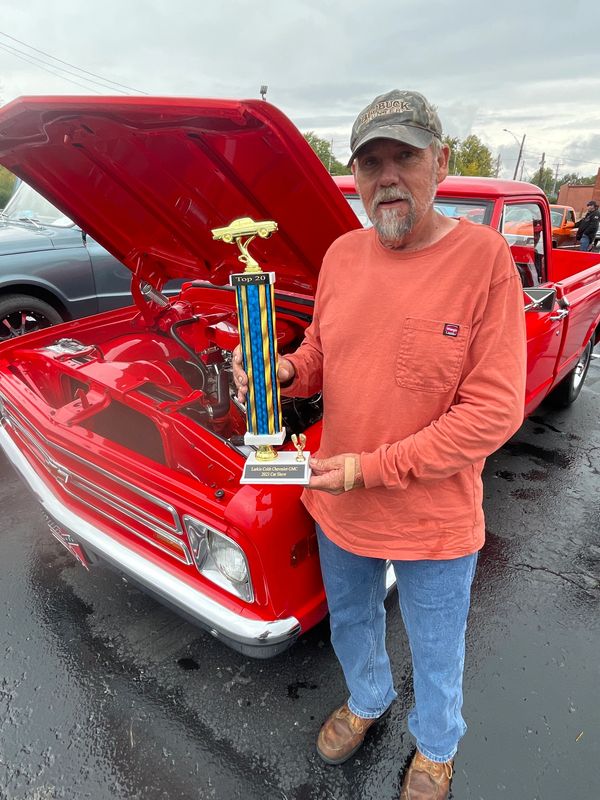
point(255, 300)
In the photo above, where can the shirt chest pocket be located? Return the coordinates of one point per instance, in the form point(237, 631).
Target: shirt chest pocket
point(431, 354)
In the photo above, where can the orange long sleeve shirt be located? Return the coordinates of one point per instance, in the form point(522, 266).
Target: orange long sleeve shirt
point(421, 360)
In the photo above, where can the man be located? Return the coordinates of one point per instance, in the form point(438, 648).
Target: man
point(588, 226)
point(418, 344)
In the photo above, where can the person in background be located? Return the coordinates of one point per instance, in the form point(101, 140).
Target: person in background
point(588, 226)
point(418, 344)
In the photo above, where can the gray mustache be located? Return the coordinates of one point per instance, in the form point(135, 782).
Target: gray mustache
point(387, 195)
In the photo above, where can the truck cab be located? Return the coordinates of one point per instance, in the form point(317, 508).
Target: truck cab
point(561, 288)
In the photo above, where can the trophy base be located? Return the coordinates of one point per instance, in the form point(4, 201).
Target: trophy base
point(284, 469)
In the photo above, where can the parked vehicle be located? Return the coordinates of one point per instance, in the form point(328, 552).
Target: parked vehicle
point(50, 269)
point(126, 426)
point(563, 225)
point(522, 213)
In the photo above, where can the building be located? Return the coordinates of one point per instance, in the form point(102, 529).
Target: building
point(576, 196)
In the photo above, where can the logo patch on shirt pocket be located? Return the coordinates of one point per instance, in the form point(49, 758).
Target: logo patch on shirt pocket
point(431, 354)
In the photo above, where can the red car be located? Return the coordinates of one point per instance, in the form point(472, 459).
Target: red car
point(126, 426)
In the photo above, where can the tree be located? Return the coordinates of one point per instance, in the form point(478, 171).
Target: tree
point(469, 156)
point(544, 178)
point(575, 178)
point(474, 157)
point(7, 182)
point(323, 149)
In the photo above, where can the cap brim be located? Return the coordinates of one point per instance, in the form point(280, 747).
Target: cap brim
point(408, 134)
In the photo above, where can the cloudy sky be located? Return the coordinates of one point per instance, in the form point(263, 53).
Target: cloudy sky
point(530, 67)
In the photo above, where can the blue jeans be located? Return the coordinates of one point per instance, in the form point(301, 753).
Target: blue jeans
point(434, 602)
point(584, 242)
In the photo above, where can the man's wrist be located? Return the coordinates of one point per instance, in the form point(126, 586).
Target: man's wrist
point(358, 476)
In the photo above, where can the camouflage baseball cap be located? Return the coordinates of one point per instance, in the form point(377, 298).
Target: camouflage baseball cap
point(404, 116)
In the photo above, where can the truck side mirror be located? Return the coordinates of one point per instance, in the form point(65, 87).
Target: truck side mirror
point(540, 300)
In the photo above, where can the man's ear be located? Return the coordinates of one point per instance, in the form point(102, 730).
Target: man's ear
point(443, 158)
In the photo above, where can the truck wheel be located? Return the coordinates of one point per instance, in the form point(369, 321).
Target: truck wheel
point(21, 313)
point(568, 389)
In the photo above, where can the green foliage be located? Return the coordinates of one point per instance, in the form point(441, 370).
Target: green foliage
point(544, 178)
point(7, 181)
point(475, 158)
point(574, 177)
point(469, 156)
point(323, 149)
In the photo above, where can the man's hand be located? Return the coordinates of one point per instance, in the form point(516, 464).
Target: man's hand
point(285, 373)
point(332, 475)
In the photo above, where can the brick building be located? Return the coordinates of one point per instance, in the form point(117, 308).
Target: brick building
point(572, 194)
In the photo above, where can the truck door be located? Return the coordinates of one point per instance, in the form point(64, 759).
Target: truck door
point(525, 226)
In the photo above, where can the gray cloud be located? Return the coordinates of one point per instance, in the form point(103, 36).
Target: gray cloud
point(528, 67)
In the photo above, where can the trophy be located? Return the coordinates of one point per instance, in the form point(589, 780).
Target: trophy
point(255, 300)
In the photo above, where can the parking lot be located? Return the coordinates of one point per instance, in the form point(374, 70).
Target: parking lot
point(105, 694)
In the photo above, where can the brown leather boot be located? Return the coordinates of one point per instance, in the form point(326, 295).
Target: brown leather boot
point(342, 734)
point(426, 780)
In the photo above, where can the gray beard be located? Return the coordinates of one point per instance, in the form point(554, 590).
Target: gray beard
point(393, 228)
point(390, 226)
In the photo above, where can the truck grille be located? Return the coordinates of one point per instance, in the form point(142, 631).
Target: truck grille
point(125, 505)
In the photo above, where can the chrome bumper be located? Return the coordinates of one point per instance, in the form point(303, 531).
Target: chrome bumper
point(257, 638)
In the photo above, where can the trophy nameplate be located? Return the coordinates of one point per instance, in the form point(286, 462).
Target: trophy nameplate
point(255, 301)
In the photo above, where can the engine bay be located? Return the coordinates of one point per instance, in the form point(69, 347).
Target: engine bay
point(157, 384)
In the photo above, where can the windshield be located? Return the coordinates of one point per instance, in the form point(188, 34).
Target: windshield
point(358, 208)
point(473, 210)
point(26, 205)
point(556, 217)
point(476, 211)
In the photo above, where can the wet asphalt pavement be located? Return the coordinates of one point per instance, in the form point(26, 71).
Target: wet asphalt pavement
point(106, 695)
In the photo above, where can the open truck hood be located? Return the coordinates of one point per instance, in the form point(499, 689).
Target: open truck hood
point(149, 178)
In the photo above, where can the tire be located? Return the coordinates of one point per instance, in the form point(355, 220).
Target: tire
point(22, 313)
point(568, 389)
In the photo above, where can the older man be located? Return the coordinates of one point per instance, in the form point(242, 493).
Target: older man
point(418, 345)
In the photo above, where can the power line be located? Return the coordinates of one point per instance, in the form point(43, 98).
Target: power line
point(566, 158)
point(66, 63)
point(38, 62)
point(52, 72)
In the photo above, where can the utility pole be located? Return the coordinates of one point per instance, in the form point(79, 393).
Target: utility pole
point(522, 168)
point(519, 159)
point(520, 151)
point(541, 171)
point(555, 178)
point(498, 162)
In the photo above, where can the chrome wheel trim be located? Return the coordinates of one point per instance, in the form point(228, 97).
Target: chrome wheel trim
point(21, 321)
point(581, 367)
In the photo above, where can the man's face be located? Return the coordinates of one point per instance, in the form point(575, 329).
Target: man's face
point(397, 184)
point(591, 207)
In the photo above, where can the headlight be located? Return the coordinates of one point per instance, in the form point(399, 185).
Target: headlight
point(219, 559)
point(228, 558)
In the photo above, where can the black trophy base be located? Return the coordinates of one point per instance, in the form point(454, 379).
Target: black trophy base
point(283, 469)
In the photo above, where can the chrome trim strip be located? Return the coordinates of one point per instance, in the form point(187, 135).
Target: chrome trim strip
point(10, 410)
point(185, 558)
point(68, 478)
point(219, 620)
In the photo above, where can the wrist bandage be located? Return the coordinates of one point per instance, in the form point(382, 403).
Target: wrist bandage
point(349, 473)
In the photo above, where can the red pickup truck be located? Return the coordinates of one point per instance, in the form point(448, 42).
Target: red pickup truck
point(125, 425)
point(561, 287)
